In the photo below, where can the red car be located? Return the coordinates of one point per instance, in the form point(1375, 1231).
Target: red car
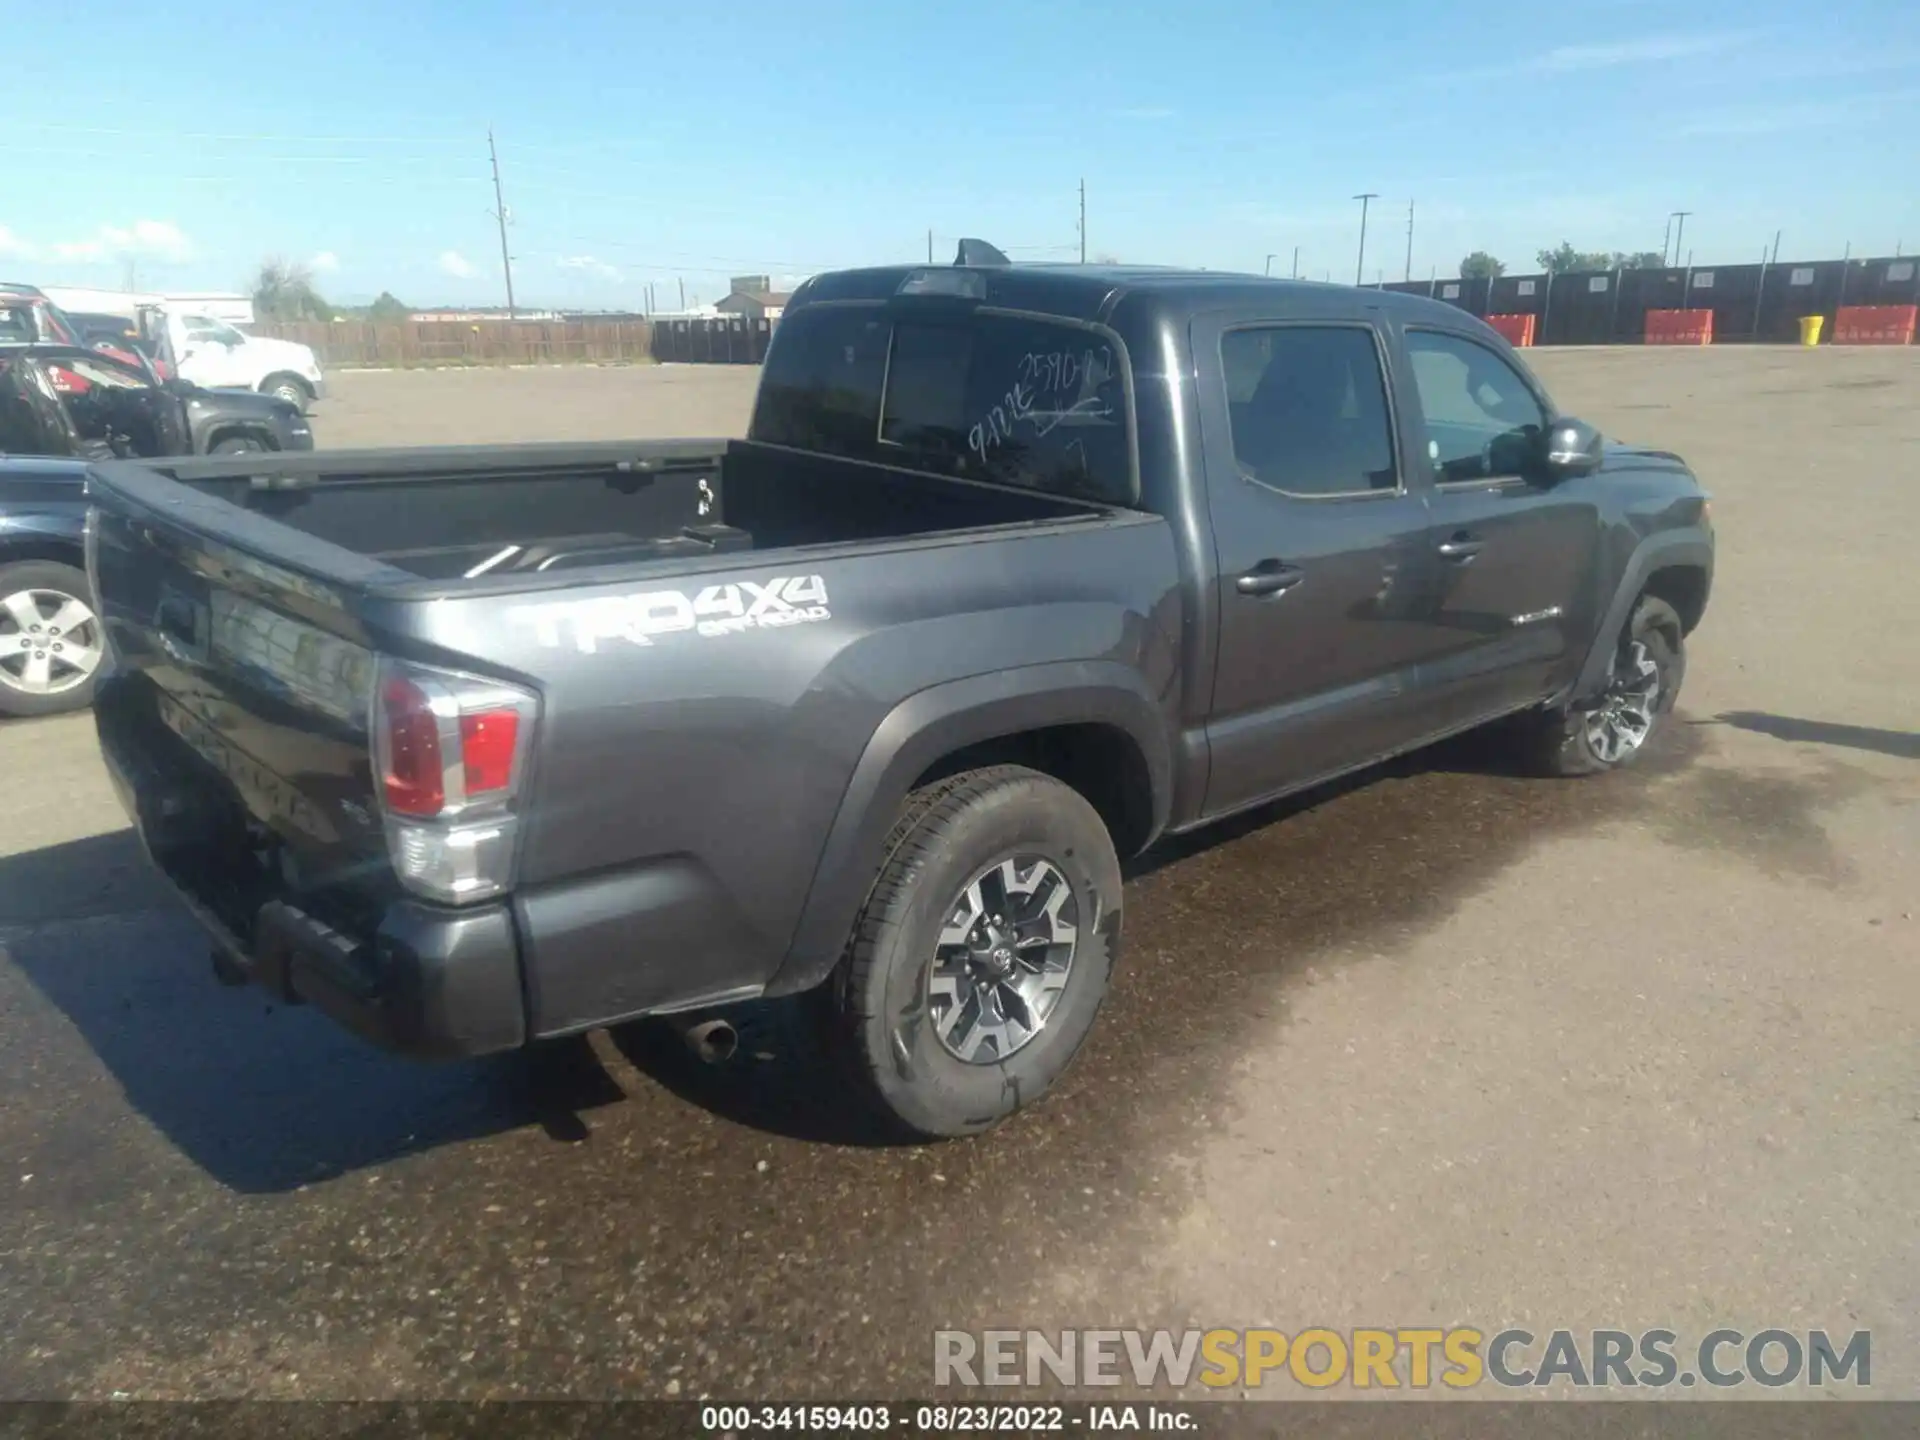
point(28, 317)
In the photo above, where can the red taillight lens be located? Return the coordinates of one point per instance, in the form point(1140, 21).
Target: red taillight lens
point(414, 779)
point(488, 739)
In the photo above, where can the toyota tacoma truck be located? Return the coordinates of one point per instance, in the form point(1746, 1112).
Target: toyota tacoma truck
point(1017, 570)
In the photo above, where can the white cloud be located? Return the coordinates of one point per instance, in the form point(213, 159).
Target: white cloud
point(325, 263)
point(592, 263)
point(16, 247)
point(1649, 49)
point(457, 265)
point(152, 239)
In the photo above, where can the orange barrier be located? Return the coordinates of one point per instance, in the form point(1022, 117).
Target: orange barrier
point(1679, 327)
point(1875, 324)
point(1518, 329)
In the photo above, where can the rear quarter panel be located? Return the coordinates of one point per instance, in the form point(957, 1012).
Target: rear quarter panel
point(695, 777)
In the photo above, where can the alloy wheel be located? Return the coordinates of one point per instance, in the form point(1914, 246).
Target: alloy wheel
point(49, 642)
point(1003, 958)
point(1621, 722)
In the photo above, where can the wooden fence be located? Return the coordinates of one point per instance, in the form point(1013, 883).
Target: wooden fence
point(461, 342)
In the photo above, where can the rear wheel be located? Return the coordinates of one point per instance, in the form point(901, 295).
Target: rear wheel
point(50, 639)
point(1613, 728)
point(982, 955)
point(237, 445)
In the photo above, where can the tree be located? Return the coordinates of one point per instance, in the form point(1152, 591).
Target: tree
point(284, 291)
point(1563, 258)
point(1481, 266)
point(386, 307)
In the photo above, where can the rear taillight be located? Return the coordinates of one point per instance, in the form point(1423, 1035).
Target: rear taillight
point(449, 751)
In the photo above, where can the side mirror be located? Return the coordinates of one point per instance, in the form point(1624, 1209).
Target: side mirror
point(1571, 448)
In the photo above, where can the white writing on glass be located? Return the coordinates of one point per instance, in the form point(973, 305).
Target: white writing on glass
point(1045, 379)
point(995, 428)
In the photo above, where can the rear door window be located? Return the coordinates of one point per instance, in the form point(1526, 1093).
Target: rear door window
point(1307, 406)
point(985, 395)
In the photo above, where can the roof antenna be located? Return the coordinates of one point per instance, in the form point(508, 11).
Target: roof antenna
point(979, 252)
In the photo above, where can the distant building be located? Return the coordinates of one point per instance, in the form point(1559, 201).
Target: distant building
point(218, 305)
point(758, 305)
point(486, 312)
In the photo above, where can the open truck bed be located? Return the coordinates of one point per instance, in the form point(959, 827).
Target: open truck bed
point(510, 515)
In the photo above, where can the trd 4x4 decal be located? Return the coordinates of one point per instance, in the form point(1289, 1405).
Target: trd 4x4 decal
point(643, 618)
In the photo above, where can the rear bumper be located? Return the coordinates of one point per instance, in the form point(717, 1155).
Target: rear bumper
point(428, 982)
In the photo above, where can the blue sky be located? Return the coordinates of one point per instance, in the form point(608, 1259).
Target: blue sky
point(649, 143)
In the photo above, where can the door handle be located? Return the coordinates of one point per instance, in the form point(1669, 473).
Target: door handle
point(1462, 546)
point(1269, 577)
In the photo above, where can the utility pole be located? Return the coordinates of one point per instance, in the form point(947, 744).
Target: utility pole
point(1666, 242)
point(929, 245)
point(1083, 220)
point(1409, 271)
point(1360, 261)
point(683, 292)
point(500, 214)
point(1680, 235)
point(1269, 269)
point(1296, 262)
point(1776, 247)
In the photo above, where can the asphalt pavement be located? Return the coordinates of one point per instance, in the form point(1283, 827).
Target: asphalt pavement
point(1440, 1046)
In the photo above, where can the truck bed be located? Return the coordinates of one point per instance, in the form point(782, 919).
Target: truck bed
point(527, 513)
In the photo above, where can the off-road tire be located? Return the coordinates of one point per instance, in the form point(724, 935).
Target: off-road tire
point(1561, 742)
point(878, 1016)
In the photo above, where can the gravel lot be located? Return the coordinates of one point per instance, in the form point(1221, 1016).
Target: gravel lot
point(1442, 1047)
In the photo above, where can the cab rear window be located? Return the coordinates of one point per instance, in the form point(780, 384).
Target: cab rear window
point(986, 395)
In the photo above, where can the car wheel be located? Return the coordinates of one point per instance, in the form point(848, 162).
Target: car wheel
point(982, 955)
point(237, 445)
point(51, 641)
point(1614, 728)
point(285, 387)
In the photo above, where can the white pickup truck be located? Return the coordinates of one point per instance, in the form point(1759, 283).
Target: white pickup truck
point(212, 353)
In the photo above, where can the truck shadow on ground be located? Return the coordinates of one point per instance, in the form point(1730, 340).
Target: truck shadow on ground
point(1901, 744)
point(266, 1097)
point(263, 1096)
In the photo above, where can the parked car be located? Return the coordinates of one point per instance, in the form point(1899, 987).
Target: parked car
point(65, 400)
point(213, 353)
point(1018, 569)
point(50, 639)
point(49, 648)
point(123, 334)
point(28, 317)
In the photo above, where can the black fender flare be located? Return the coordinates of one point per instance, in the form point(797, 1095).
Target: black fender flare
point(1671, 549)
point(934, 723)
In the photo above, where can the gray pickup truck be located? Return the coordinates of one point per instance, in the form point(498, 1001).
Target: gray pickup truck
point(1018, 569)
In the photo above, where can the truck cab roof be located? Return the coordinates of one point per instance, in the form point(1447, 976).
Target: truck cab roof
point(1094, 292)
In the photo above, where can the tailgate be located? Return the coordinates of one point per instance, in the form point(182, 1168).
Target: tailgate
point(236, 713)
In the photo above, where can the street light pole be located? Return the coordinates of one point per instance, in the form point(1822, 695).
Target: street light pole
point(1269, 269)
point(1679, 232)
point(1360, 261)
